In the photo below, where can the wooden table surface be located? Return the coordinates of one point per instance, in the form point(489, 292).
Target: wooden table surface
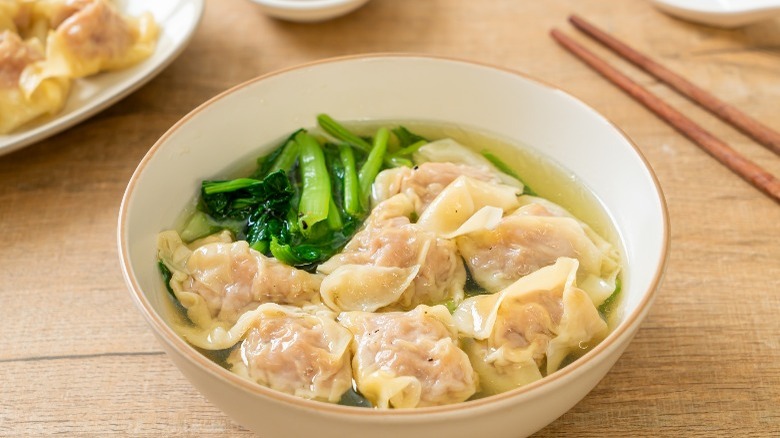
point(76, 357)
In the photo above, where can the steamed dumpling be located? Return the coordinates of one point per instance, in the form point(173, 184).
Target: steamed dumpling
point(442, 162)
point(17, 108)
point(299, 352)
point(89, 37)
point(10, 11)
point(217, 280)
point(393, 264)
point(448, 150)
point(461, 201)
point(411, 359)
point(539, 319)
point(534, 236)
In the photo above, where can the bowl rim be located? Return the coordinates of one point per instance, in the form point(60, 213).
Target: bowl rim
point(166, 334)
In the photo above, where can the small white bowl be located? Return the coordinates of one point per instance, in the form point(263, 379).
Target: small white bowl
point(721, 13)
point(308, 10)
point(242, 123)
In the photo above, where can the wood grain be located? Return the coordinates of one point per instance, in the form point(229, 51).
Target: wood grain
point(729, 114)
point(733, 160)
point(77, 359)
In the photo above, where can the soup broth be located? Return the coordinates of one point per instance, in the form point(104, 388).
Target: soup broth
point(547, 180)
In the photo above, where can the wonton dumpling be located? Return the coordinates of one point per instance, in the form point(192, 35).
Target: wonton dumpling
point(9, 13)
point(534, 236)
point(411, 359)
point(392, 264)
point(93, 37)
point(448, 150)
point(542, 316)
point(461, 200)
point(217, 280)
point(16, 108)
point(299, 352)
point(426, 181)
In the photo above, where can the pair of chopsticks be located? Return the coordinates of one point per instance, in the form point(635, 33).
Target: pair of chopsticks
point(748, 170)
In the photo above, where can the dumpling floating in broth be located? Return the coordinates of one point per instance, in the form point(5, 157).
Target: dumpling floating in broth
point(409, 359)
point(218, 280)
point(538, 320)
point(302, 352)
point(393, 264)
point(533, 236)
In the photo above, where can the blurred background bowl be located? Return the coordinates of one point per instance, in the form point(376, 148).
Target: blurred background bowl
point(244, 122)
point(308, 10)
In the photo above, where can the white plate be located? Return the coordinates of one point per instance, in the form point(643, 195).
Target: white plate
point(177, 19)
point(721, 13)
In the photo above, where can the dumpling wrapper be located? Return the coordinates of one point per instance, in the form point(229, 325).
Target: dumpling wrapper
point(217, 281)
point(534, 236)
point(17, 108)
point(450, 151)
point(392, 264)
point(461, 200)
point(302, 352)
point(366, 288)
point(409, 359)
point(542, 315)
point(94, 38)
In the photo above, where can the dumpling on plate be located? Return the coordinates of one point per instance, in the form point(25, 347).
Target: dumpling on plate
point(16, 107)
point(409, 359)
point(93, 36)
point(10, 11)
point(535, 322)
point(302, 352)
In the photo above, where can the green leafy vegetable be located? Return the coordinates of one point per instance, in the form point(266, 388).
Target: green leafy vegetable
point(354, 398)
point(606, 306)
point(166, 275)
point(352, 203)
point(407, 138)
point(338, 131)
point(503, 167)
point(315, 181)
point(306, 199)
point(373, 165)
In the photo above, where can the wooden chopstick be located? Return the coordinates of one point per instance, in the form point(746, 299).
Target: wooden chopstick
point(748, 125)
point(743, 167)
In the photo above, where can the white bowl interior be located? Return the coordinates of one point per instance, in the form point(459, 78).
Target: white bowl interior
point(238, 124)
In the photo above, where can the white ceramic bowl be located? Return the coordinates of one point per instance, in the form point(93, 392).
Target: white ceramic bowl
point(721, 13)
point(308, 10)
point(239, 123)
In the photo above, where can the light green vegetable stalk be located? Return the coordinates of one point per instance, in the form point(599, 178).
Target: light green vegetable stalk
point(373, 165)
point(352, 203)
point(338, 131)
point(315, 194)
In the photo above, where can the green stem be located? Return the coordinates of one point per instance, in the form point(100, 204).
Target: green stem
point(212, 187)
point(409, 149)
point(351, 185)
point(286, 159)
point(315, 194)
point(335, 129)
point(373, 165)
